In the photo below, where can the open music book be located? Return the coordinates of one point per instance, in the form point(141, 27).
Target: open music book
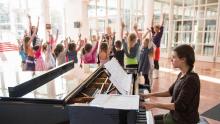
point(125, 102)
point(121, 80)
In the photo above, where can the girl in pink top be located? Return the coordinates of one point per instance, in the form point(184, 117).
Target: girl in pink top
point(89, 53)
point(40, 64)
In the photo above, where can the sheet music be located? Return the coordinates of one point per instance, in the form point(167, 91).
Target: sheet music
point(125, 102)
point(119, 77)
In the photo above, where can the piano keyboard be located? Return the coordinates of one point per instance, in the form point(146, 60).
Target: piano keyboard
point(141, 117)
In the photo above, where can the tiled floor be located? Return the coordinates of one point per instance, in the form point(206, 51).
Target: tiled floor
point(210, 95)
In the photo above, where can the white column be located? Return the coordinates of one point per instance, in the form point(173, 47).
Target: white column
point(148, 13)
point(119, 17)
point(45, 18)
point(12, 16)
point(76, 10)
point(170, 29)
point(84, 20)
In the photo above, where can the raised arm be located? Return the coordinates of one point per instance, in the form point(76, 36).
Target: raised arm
point(38, 21)
point(152, 25)
point(162, 19)
point(122, 29)
point(32, 37)
point(81, 43)
point(146, 33)
point(30, 24)
point(57, 34)
point(136, 31)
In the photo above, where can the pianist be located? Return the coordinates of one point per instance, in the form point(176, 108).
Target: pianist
point(185, 91)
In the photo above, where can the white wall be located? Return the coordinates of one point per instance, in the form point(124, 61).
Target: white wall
point(76, 10)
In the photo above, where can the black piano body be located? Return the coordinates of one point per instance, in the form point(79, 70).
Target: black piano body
point(51, 98)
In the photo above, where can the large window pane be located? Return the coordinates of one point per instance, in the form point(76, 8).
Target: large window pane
point(218, 50)
point(127, 21)
point(178, 12)
point(210, 25)
point(198, 37)
point(201, 12)
point(211, 11)
point(199, 25)
point(112, 7)
point(140, 5)
point(209, 38)
point(101, 26)
point(212, 1)
point(92, 8)
point(218, 54)
point(189, 13)
point(187, 25)
point(198, 42)
point(92, 27)
point(177, 25)
point(187, 37)
point(198, 49)
point(112, 22)
point(188, 2)
point(140, 22)
point(208, 50)
point(101, 8)
point(177, 38)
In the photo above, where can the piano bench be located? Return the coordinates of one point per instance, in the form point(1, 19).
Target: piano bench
point(202, 120)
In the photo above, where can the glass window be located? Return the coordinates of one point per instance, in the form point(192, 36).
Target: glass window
point(101, 8)
point(208, 50)
point(212, 1)
point(127, 4)
point(127, 21)
point(218, 50)
point(92, 27)
point(199, 25)
point(92, 24)
point(140, 5)
point(112, 22)
point(101, 26)
point(198, 37)
point(140, 22)
point(92, 8)
point(198, 49)
point(187, 25)
point(112, 7)
point(177, 25)
point(164, 40)
point(218, 54)
point(210, 25)
point(188, 2)
point(211, 11)
point(56, 17)
point(34, 4)
point(201, 12)
point(177, 38)
point(178, 2)
point(202, 1)
point(209, 38)
point(187, 37)
point(189, 13)
point(178, 12)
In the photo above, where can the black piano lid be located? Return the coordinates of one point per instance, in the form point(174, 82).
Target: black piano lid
point(58, 89)
point(11, 79)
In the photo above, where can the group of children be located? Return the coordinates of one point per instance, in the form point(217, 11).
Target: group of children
point(134, 50)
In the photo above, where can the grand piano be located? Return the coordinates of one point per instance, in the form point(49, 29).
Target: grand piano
point(63, 96)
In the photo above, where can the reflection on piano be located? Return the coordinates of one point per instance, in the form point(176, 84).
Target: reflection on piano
point(70, 87)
